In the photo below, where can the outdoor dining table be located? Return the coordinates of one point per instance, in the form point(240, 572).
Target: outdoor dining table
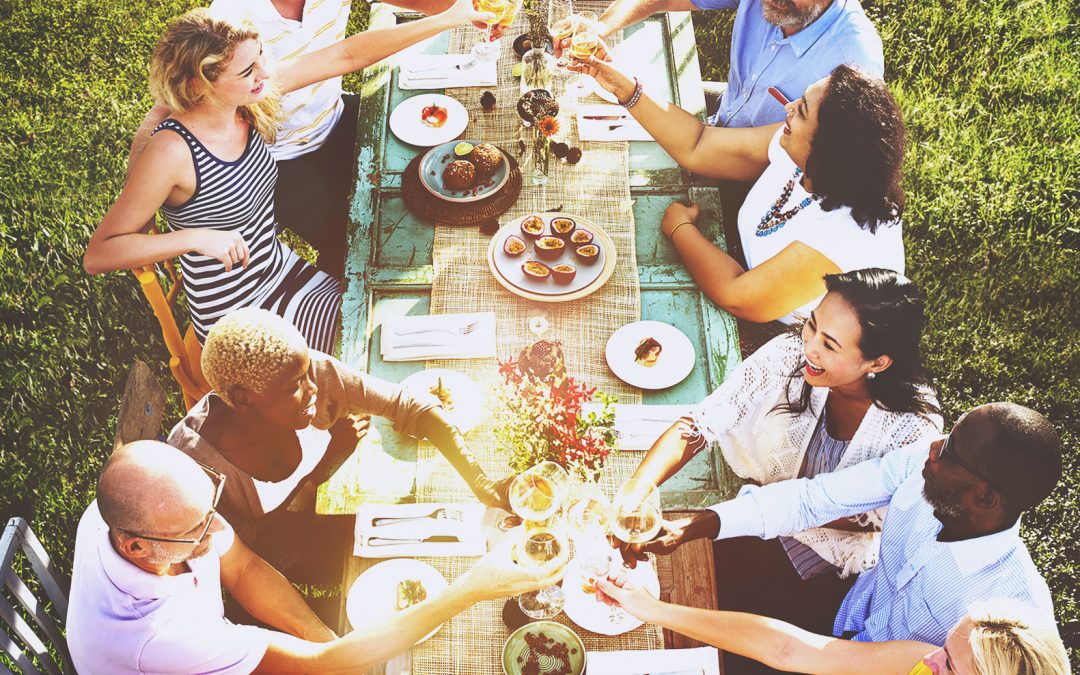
point(398, 265)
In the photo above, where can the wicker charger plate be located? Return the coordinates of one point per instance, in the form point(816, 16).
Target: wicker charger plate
point(602, 238)
point(428, 207)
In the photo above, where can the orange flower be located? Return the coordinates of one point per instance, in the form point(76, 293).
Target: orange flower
point(549, 126)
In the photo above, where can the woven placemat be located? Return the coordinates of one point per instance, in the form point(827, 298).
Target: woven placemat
point(428, 207)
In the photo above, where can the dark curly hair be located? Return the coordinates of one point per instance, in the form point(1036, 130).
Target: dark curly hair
point(889, 308)
point(858, 149)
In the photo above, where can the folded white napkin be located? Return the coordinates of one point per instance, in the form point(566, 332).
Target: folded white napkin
point(377, 540)
point(623, 128)
point(640, 425)
point(699, 661)
point(437, 71)
point(438, 336)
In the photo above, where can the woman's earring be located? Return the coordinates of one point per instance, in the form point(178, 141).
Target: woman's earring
point(871, 375)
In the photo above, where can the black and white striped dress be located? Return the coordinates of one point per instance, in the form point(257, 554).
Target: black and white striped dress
point(239, 197)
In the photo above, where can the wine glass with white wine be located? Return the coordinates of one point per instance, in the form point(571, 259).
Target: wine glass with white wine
point(541, 544)
point(584, 42)
point(636, 516)
point(588, 517)
point(537, 493)
point(486, 49)
point(560, 26)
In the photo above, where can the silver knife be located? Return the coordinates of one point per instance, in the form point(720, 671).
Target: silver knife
point(436, 539)
point(406, 345)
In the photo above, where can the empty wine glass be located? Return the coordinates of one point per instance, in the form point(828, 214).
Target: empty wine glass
point(540, 544)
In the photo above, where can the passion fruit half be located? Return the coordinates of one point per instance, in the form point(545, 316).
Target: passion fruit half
point(581, 237)
point(588, 253)
point(532, 227)
point(550, 248)
point(563, 227)
point(536, 270)
point(514, 245)
point(563, 273)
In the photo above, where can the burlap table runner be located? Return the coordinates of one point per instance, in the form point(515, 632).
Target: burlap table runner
point(598, 189)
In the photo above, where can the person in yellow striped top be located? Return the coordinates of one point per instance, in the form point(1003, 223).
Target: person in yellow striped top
point(315, 144)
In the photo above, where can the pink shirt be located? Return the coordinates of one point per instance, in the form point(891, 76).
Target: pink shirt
point(123, 619)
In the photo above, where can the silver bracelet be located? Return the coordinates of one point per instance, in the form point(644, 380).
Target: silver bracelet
point(634, 97)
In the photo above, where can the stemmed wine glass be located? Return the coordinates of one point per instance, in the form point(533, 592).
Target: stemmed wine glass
point(536, 496)
point(486, 49)
point(584, 42)
point(588, 516)
point(636, 516)
point(560, 25)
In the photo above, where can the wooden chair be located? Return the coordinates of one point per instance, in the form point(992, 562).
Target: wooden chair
point(44, 640)
point(184, 350)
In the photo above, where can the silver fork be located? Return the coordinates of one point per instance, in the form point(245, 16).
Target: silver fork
point(441, 513)
point(460, 330)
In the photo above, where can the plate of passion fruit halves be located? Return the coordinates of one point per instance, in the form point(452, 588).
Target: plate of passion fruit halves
point(551, 257)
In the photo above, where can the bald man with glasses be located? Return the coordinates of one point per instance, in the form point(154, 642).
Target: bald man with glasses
point(151, 559)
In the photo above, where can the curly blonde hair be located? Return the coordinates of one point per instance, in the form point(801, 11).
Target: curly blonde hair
point(191, 56)
point(1007, 639)
point(249, 348)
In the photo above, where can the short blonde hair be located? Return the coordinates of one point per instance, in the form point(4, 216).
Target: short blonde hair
point(249, 347)
point(1008, 639)
point(191, 55)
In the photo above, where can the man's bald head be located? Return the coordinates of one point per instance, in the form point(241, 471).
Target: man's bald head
point(151, 488)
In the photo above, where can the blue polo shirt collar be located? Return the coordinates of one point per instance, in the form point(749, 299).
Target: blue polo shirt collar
point(803, 40)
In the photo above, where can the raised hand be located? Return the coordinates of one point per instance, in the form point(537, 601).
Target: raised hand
point(599, 66)
point(496, 575)
point(227, 247)
point(637, 600)
point(672, 534)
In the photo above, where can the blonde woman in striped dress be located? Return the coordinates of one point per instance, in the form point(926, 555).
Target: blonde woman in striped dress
point(213, 176)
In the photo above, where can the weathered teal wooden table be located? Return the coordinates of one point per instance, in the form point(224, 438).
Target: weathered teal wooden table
point(389, 266)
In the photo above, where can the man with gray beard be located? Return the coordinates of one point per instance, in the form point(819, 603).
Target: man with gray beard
point(951, 535)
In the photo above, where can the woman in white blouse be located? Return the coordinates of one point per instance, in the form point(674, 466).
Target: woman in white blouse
point(850, 387)
point(827, 197)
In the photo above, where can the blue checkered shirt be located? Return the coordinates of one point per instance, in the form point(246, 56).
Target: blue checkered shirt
point(761, 57)
point(921, 586)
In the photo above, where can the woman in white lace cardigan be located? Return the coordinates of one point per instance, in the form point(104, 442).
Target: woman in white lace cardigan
point(849, 387)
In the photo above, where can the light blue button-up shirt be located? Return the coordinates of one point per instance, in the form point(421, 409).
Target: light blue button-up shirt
point(761, 57)
point(921, 587)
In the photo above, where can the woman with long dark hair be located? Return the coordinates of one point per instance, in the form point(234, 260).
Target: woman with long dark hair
point(827, 197)
point(848, 387)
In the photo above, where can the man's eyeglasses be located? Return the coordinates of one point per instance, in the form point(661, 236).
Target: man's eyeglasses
point(955, 458)
point(219, 487)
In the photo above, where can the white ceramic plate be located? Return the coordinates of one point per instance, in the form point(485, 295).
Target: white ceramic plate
point(510, 266)
point(675, 362)
point(467, 396)
point(373, 594)
point(591, 614)
point(407, 125)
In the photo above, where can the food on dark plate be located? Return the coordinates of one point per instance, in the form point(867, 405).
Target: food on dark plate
point(550, 248)
point(563, 273)
point(486, 158)
point(647, 352)
point(536, 270)
point(433, 116)
point(459, 175)
point(532, 227)
point(581, 237)
point(563, 227)
point(588, 254)
point(514, 245)
point(409, 592)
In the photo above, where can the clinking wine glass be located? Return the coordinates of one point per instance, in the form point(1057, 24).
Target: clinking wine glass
point(486, 49)
point(584, 42)
point(588, 515)
point(538, 493)
point(540, 544)
point(561, 25)
point(636, 516)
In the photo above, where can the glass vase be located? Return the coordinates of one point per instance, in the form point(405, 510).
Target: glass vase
point(537, 70)
point(537, 157)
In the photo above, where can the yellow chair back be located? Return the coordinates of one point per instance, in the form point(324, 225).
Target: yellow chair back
point(185, 351)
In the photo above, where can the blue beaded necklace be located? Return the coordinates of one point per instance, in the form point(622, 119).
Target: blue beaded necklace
point(773, 219)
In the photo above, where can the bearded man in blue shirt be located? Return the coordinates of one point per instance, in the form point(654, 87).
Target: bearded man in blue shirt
point(951, 535)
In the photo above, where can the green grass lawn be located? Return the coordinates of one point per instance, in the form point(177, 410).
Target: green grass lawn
point(988, 92)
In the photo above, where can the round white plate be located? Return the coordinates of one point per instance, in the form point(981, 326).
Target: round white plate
point(468, 397)
point(407, 125)
point(675, 362)
point(509, 267)
point(591, 614)
point(373, 594)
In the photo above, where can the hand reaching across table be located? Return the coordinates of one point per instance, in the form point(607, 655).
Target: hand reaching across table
point(497, 575)
point(673, 534)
